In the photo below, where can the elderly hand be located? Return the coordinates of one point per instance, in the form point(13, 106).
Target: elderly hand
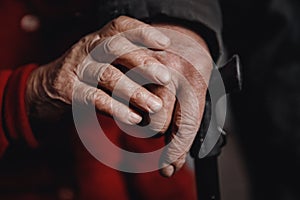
point(51, 88)
point(190, 65)
point(89, 71)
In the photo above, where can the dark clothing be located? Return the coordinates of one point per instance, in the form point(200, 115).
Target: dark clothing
point(266, 34)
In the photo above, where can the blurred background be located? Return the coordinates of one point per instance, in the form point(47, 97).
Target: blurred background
point(262, 157)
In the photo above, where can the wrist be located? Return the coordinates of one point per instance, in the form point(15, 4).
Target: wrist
point(38, 101)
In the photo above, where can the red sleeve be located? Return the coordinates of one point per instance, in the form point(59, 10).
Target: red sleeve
point(14, 122)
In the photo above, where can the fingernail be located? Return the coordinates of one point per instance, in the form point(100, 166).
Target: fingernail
point(168, 171)
point(163, 76)
point(154, 104)
point(134, 118)
point(162, 40)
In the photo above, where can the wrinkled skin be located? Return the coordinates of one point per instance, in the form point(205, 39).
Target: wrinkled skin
point(186, 57)
point(66, 76)
point(73, 79)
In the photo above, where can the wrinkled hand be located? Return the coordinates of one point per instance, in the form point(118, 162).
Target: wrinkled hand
point(190, 66)
point(74, 76)
point(88, 70)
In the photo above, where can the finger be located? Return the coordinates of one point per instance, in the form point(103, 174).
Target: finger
point(187, 117)
point(112, 79)
point(146, 65)
point(108, 50)
point(169, 170)
point(119, 50)
point(137, 31)
point(89, 95)
point(160, 121)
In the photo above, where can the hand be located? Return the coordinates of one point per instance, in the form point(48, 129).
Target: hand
point(190, 65)
point(53, 87)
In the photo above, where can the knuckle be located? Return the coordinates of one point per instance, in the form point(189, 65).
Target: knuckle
point(90, 72)
point(86, 43)
point(91, 42)
point(110, 76)
point(139, 95)
point(148, 61)
point(120, 22)
point(90, 96)
point(61, 85)
point(147, 65)
point(118, 46)
point(111, 45)
point(105, 103)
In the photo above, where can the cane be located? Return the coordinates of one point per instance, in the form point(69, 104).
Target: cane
point(206, 168)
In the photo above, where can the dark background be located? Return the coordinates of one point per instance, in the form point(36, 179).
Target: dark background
point(266, 114)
